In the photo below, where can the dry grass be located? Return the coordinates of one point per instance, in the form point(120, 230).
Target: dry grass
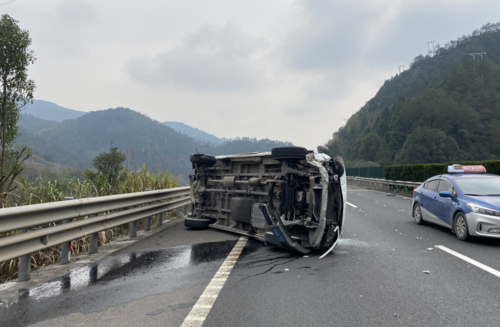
point(51, 191)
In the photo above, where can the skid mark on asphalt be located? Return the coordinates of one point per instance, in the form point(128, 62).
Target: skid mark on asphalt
point(272, 267)
point(469, 260)
point(201, 309)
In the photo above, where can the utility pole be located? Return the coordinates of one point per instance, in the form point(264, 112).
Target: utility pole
point(429, 51)
point(401, 66)
point(479, 54)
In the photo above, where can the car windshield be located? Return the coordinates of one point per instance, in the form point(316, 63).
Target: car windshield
point(481, 186)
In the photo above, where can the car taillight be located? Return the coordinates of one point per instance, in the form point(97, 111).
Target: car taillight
point(414, 190)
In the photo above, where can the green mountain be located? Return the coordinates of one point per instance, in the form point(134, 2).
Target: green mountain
point(76, 142)
point(50, 111)
point(444, 108)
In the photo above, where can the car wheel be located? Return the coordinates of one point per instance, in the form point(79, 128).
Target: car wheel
point(460, 227)
point(289, 152)
point(196, 223)
point(417, 214)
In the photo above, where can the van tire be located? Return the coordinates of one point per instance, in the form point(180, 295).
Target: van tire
point(289, 152)
point(196, 223)
point(203, 159)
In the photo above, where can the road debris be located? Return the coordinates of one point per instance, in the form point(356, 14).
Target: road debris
point(430, 249)
point(426, 272)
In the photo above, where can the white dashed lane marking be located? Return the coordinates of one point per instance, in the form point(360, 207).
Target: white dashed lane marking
point(201, 309)
point(469, 260)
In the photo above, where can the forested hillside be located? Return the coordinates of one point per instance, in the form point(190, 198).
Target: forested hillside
point(195, 133)
point(444, 108)
point(74, 143)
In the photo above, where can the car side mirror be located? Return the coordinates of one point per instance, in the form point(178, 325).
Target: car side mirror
point(445, 194)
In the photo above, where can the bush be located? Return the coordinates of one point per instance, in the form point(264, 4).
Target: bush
point(420, 173)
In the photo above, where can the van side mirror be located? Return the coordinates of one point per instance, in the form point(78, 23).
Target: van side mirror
point(445, 194)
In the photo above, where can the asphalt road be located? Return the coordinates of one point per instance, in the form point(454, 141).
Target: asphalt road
point(375, 277)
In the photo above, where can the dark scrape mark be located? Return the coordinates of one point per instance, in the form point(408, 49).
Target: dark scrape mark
point(305, 267)
point(171, 308)
point(278, 272)
point(255, 263)
point(272, 267)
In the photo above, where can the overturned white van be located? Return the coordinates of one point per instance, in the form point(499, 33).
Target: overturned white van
point(290, 197)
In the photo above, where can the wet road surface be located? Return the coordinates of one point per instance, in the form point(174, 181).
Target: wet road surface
point(374, 277)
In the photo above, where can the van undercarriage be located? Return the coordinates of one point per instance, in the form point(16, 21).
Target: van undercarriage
point(290, 197)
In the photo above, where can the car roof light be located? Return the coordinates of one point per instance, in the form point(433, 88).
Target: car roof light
point(459, 169)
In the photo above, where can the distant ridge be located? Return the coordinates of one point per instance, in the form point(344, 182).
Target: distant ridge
point(75, 142)
point(50, 111)
point(195, 133)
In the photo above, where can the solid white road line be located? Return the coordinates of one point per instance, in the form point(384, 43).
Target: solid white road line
point(469, 260)
point(352, 205)
point(200, 310)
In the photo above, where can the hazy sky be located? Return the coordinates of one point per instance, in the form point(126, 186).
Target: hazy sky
point(288, 70)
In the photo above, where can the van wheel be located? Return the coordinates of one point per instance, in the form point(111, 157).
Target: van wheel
point(289, 152)
point(203, 159)
point(195, 223)
point(460, 227)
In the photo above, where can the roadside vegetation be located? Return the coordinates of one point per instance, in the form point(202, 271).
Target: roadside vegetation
point(444, 108)
point(108, 178)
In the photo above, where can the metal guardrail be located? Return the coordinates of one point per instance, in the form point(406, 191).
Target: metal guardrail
point(103, 213)
point(366, 172)
point(375, 182)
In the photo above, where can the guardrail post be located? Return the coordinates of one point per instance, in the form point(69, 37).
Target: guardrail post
point(24, 265)
point(178, 212)
point(92, 240)
point(133, 227)
point(147, 221)
point(159, 219)
point(65, 247)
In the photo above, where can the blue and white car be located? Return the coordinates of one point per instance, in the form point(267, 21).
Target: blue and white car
point(466, 200)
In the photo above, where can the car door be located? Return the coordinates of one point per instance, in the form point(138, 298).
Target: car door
point(428, 200)
point(445, 207)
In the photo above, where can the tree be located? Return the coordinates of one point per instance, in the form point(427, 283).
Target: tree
point(370, 144)
point(109, 167)
point(414, 149)
point(16, 91)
